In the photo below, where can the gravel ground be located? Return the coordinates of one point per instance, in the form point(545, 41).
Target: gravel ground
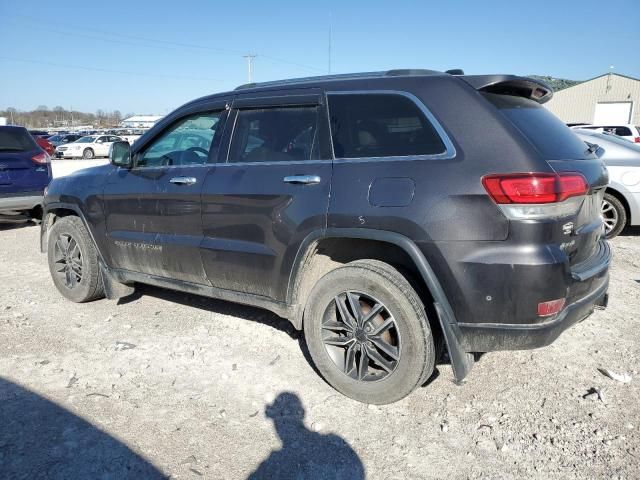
point(163, 384)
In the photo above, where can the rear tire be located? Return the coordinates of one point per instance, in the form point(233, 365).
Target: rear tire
point(88, 154)
point(614, 214)
point(405, 348)
point(73, 261)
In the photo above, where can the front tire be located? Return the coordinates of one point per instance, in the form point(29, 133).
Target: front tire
point(614, 215)
point(88, 154)
point(73, 261)
point(368, 333)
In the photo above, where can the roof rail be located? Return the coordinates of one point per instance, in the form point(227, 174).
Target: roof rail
point(342, 76)
point(319, 78)
point(403, 72)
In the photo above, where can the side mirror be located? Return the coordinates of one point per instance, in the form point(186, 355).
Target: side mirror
point(120, 154)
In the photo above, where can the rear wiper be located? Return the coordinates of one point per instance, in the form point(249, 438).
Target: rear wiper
point(592, 147)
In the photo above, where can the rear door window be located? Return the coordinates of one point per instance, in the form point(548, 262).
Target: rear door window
point(380, 125)
point(548, 134)
point(283, 134)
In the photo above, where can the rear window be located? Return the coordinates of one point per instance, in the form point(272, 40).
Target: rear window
point(380, 125)
point(620, 131)
point(16, 140)
point(548, 134)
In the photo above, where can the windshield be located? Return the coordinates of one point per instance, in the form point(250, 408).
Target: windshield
point(548, 134)
point(16, 140)
point(86, 140)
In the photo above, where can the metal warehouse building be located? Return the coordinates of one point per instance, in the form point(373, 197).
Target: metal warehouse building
point(608, 99)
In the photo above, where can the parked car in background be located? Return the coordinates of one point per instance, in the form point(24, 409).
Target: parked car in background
point(46, 145)
point(25, 171)
point(363, 208)
point(88, 147)
point(628, 131)
point(58, 140)
point(621, 203)
point(38, 133)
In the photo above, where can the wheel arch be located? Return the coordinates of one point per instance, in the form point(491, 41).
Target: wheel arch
point(299, 286)
point(52, 212)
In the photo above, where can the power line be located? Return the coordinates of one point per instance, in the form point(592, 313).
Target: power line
point(108, 70)
point(164, 43)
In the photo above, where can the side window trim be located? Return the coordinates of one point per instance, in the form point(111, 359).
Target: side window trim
point(450, 150)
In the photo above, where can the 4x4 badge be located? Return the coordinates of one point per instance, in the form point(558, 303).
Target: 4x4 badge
point(567, 228)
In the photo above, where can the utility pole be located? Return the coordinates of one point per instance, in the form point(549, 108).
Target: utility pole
point(250, 57)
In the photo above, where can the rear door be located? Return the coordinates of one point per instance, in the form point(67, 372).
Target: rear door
point(19, 173)
point(269, 195)
point(153, 210)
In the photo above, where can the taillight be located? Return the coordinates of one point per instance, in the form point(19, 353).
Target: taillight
point(534, 187)
point(546, 309)
point(531, 196)
point(637, 139)
point(41, 158)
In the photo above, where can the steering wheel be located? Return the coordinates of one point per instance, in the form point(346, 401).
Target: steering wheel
point(201, 150)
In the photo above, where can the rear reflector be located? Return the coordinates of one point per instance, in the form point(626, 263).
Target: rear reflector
point(546, 309)
point(41, 158)
point(528, 188)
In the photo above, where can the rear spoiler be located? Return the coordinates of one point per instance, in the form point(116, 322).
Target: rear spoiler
point(511, 85)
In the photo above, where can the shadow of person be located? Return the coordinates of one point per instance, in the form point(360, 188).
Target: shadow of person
point(305, 454)
point(39, 439)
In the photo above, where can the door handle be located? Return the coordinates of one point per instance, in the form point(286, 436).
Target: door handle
point(302, 179)
point(183, 180)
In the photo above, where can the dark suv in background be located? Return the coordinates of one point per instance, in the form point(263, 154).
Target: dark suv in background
point(385, 214)
point(25, 171)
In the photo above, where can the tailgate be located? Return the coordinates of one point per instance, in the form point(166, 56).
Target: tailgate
point(19, 173)
point(587, 230)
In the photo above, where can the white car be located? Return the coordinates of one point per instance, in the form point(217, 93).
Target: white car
point(621, 204)
point(626, 131)
point(88, 147)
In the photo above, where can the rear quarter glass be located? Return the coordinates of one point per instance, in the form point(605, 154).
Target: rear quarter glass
point(546, 132)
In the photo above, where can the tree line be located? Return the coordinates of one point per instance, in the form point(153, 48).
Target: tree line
point(43, 117)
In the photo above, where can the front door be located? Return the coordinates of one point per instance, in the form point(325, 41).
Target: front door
point(153, 210)
point(269, 195)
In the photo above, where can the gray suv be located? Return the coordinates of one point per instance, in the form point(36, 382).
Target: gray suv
point(386, 214)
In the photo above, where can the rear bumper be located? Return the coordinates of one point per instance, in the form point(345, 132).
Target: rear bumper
point(489, 337)
point(20, 201)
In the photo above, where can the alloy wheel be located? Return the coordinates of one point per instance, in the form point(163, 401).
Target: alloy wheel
point(609, 215)
point(361, 336)
point(68, 260)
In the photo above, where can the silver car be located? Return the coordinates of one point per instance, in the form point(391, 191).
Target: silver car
point(621, 205)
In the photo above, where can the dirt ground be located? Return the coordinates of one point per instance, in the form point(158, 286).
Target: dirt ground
point(163, 384)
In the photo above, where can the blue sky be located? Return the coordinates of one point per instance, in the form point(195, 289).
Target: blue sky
point(152, 56)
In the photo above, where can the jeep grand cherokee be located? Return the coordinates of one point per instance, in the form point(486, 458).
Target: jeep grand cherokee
point(385, 214)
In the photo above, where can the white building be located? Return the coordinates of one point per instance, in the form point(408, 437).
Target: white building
point(140, 121)
point(608, 99)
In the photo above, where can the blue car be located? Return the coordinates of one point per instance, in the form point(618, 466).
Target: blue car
point(25, 171)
